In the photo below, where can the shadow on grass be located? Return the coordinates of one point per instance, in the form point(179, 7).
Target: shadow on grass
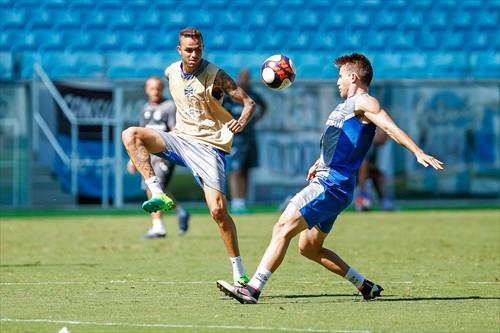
point(394, 298)
point(384, 298)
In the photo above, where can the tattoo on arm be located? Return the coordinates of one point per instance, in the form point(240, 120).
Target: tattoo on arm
point(227, 84)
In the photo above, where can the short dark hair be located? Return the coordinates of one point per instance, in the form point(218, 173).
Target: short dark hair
point(359, 63)
point(191, 33)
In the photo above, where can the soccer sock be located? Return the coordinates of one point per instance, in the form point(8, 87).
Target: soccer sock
point(154, 186)
point(260, 278)
point(158, 224)
point(181, 212)
point(355, 278)
point(238, 269)
point(238, 203)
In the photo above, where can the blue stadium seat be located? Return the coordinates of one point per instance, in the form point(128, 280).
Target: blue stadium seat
point(78, 40)
point(153, 63)
point(12, 17)
point(5, 44)
point(229, 20)
point(274, 41)
point(438, 19)
point(6, 70)
point(298, 40)
point(429, 39)
point(23, 40)
point(489, 18)
point(325, 41)
point(73, 65)
point(67, 19)
point(244, 41)
point(259, 19)
point(448, 64)
point(377, 40)
point(204, 20)
point(162, 41)
point(453, 40)
point(149, 19)
point(217, 40)
point(388, 19)
point(95, 19)
point(175, 20)
point(40, 18)
point(134, 40)
point(108, 41)
point(50, 40)
point(121, 19)
point(485, 65)
point(121, 65)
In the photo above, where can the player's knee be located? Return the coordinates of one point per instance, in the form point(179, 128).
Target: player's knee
point(129, 134)
point(218, 213)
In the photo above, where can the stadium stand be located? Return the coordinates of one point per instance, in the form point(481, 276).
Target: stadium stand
point(408, 39)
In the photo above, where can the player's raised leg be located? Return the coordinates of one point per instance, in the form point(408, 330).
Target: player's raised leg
point(217, 205)
point(311, 246)
point(139, 143)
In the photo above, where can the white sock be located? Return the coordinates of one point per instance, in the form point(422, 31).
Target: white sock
point(238, 269)
point(355, 278)
point(181, 212)
point(158, 225)
point(238, 203)
point(153, 185)
point(260, 278)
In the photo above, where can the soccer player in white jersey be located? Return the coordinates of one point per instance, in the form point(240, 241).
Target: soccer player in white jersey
point(202, 136)
point(348, 134)
point(159, 113)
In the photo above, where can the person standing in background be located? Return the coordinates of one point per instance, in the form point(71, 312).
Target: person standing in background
point(245, 155)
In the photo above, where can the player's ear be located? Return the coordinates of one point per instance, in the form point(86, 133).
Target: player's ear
point(353, 77)
point(179, 49)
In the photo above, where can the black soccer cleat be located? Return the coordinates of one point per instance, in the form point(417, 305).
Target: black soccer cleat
point(370, 290)
point(244, 295)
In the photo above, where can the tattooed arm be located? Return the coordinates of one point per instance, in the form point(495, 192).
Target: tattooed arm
point(225, 83)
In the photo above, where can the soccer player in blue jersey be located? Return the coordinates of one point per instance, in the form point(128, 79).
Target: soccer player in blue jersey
point(348, 134)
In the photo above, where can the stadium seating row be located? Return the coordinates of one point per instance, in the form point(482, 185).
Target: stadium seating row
point(71, 40)
point(123, 65)
point(92, 38)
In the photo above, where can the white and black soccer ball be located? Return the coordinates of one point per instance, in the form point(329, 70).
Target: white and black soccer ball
point(278, 72)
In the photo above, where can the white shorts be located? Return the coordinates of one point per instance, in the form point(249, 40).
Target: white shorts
point(206, 163)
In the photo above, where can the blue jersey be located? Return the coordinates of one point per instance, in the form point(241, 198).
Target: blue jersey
point(344, 144)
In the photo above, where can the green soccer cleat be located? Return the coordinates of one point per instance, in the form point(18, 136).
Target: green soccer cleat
point(242, 281)
point(159, 202)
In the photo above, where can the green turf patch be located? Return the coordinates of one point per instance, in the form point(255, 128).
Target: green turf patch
point(440, 271)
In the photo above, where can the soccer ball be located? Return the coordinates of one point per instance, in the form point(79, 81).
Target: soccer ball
point(278, 72)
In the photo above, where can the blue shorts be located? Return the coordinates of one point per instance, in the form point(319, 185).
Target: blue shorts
point(321, 202)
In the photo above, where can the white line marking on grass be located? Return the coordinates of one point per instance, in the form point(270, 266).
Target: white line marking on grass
point(215, 327)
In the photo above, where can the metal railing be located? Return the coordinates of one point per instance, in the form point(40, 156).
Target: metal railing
point(72, 159)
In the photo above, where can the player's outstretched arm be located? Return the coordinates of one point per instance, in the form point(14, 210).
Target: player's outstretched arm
point(381, 119)
point(224, 82)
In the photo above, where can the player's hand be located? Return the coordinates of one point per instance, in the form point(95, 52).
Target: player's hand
point(235, 126)
point(312, 172)
point(131, 167)
point(427, 160)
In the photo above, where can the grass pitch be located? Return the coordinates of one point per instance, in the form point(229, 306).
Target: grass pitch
point(440, 271)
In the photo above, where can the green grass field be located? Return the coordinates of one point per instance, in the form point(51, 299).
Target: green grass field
point(440, 271)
